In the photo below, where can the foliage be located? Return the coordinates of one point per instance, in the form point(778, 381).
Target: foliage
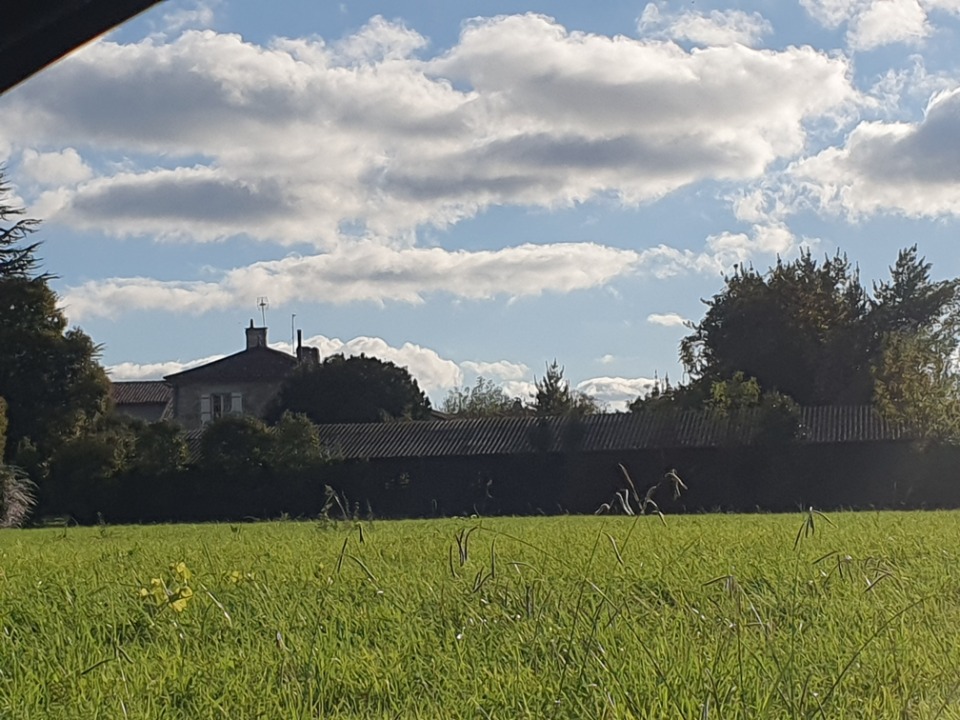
point(296, 445)
point(158, 449)
point(555, 396)
point(570, 617)
point(811, 332)
point(17, 496)
point(236, 445)
point(799, 329)
point(85, 472)
point(916, 376)
point(49, 375)
point(355, 389)
point(919, 386)
point(484, 399)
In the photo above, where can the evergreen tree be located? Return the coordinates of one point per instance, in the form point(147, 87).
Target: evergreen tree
point(49, 374)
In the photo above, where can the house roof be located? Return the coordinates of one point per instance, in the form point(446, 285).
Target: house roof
point(36, 33)
point(256, 363)
point(596, 433)
point(141, 392)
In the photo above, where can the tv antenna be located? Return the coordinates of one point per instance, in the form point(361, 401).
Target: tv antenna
point(263, 303)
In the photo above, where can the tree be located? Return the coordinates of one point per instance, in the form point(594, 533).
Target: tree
point(555, 397)
point(297, 446)
point(799, 329)
point(235, 446)
point(917, 323)
point(354, 389)
point(484, 399)
point(49, 375)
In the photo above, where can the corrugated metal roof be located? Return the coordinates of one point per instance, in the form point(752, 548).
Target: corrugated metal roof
point(595, 433)
point(857, 423)
point(141, 392)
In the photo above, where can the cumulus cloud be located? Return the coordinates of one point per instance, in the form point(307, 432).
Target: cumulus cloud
point(718, 27)
point(305, 141)
point(497, 371)
point(875, 23)
point(53, 168)
point(890, 21)
point(909, 168)
point(667, 319)
point(616, 393)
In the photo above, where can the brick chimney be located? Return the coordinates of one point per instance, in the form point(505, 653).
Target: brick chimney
point(256, 336)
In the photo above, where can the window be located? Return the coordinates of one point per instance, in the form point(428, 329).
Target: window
point(216, 405)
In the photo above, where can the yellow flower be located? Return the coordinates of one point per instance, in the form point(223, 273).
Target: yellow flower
point(182, 572)
point(182, 597)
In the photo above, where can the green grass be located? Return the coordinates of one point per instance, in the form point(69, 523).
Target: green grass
point(596, 617)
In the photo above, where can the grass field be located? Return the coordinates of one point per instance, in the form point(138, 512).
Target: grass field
point(566, 617)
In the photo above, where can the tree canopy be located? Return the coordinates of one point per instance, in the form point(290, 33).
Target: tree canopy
point(351, 389)
point(811, 332)
point(484, 399)
point(49, 375)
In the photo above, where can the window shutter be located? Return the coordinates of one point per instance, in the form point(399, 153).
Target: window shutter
point(204, 409)
point(236, 403)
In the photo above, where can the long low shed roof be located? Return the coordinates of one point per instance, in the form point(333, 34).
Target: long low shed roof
point(595, 433)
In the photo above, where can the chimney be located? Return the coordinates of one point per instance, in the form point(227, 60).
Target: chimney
point(256, 336)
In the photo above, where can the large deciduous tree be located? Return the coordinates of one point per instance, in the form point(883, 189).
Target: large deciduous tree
point(353, 389)
point(49, 375)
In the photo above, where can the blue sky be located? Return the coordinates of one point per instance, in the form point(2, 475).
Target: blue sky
point(477, 188)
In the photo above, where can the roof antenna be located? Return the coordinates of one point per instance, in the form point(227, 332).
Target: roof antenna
point(263, 303)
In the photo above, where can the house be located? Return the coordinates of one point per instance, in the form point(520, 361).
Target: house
point(242, 383)
point(147, 400)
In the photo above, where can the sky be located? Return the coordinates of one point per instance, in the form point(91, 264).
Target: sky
point(477, 188)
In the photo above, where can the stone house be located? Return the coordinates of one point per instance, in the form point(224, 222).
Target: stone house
point(242, 383)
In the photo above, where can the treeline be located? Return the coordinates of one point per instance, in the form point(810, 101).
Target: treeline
point(805, 332)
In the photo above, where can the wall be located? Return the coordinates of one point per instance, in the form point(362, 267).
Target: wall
point(186, 398)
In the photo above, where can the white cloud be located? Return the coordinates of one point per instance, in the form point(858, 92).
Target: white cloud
point(497, 371)
point(432, 372)
point(301, 141)
point(876, 23)
point(733, 248)
point(366, 272)
point(886, 22)
point(615, 392)
point(667, 319)
point(196, 14)
point(908, 168)
point(52, 168)
point(718, 27)
point(154, 371)
point(370, 272)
